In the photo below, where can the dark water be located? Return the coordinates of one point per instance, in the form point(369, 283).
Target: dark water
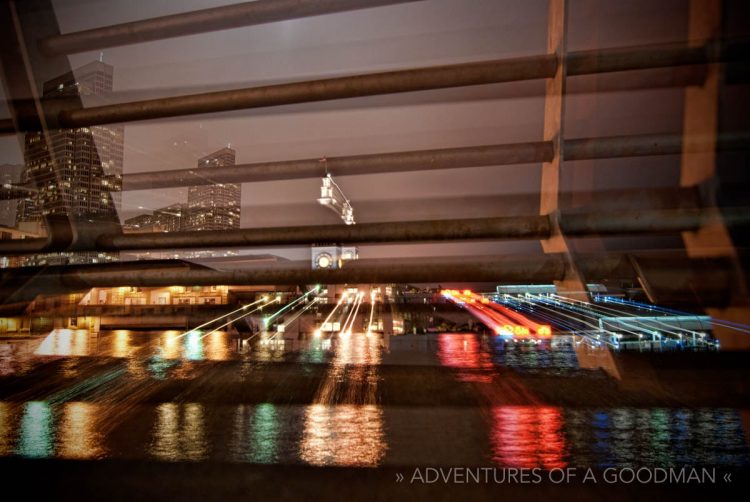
point(99, 411)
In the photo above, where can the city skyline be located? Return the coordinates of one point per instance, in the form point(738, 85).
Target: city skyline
point(375, 249)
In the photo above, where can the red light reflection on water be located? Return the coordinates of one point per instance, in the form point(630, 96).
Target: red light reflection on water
point(464, 352)
point(528, 436)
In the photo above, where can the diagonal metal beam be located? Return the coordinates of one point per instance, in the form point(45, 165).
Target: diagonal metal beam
point(201, 21)
point(397, 81)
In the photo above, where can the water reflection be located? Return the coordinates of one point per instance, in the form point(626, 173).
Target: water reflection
point(464, 352)
point(121, 343)
point(170, 344)
point(534, 357)
point(528, 436)
point(549, 437)
point(65, 342)
point(628, 437)
point(358, 435)
point(6, 428)
point(6, 359)
point(36, 437)
point(179, 432)
point(352, 376)
point(256, 434)
point(79, 437)
point(271, 347)
point(217, 346)
point(349, 435)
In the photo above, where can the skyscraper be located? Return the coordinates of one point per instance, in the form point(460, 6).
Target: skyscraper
point(10, 174)
point(166, 219)
point(80, 173)
point(214, 207)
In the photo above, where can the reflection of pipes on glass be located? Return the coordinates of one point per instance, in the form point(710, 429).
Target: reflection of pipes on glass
point(78, 433)
point(528, 436)
point(179, 432)
point(350, 435)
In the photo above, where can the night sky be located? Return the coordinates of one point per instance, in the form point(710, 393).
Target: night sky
point(420, 34)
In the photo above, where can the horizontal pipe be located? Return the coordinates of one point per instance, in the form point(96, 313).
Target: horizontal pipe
point(420, 79)
point(424, 160)
point(510, 227)
point(651, 144)
point(436, 77)
point(392, 162)
point(637, 58)
point(660, 221)
point(200, 21)
point(359, 271)
point(526, 269)
point(670, 273)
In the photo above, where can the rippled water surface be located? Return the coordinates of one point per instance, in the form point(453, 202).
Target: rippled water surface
point(76, 395)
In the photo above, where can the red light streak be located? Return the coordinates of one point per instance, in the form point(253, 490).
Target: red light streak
point(500, 319)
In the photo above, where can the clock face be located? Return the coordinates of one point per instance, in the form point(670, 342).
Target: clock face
point(324, 260)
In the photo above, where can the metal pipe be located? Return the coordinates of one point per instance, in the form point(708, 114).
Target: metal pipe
point(418, 160)
point(650, 144)
point(528, 269)
point(660, 221)
point(512, 227)
point(200, 21)
point(637, 58)
point(436, 77)
point(420, 79)
point(358, 271)
point(665, 272)
point(425, 160)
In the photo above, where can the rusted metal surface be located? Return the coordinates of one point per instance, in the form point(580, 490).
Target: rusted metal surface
point(425, 160)
point(441, 230)
point(661, 221)
point(419, 79)
point(392, 162)
point(408, 80)
point(527, 269)
point(201, 21)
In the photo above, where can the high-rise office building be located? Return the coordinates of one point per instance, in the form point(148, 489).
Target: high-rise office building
point(80, 173)
point(217, 206)
point(10, 174)
point(165, 219)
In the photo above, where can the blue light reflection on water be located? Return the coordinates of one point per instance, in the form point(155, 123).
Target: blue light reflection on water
point(288, 434)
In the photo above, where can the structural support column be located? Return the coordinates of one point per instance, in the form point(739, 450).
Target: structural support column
point(572, 285)
point(701, 119)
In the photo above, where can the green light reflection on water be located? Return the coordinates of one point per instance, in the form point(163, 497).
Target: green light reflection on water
point(37, 435)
